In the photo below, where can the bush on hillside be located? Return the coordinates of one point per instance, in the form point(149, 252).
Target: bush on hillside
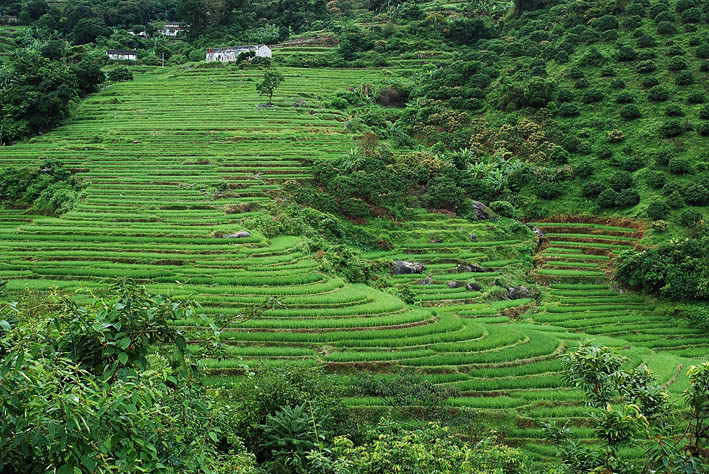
point(674, 110)
point(649, 82)
point(671, 128)
point(695, 194)
point(678, 270)
point(679, 165)
point(626, 53)
point(627, 198)
point(624, 97)
point(696, 97)
point(607, 198)
point(592, 189)
point(691, 16)
point(119, 74)
point(659, 93)
point(666, 28)
point(656, 179)
point(645, 67)
point(657, 210)
point(647, 41)
point(630, 112)
point(690, 218)
point(703, 129)
point(684, 78)
point(621, 180)
point(677, 63)
point(503, 208)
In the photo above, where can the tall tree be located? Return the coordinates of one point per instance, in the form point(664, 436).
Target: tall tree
point(271, 81)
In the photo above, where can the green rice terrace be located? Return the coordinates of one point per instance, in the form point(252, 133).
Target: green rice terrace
point(173, 164)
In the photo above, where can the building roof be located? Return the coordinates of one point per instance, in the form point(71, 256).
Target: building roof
point(121, 51)
point(173, 25)
point(237, 48)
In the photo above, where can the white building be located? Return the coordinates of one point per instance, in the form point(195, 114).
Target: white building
point(122, 54)
point(231, 54)
point(171, 29)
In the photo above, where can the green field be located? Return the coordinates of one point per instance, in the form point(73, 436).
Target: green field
point(153, 152)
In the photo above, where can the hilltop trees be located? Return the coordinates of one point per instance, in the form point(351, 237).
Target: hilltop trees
point(37, 92)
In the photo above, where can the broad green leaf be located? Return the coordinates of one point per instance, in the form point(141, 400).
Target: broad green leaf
point(123, 358)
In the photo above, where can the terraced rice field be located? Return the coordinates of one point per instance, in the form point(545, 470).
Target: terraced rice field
point(154, 153)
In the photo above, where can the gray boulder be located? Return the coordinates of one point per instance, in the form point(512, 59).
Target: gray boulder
point(238, 235)
point(473, 286)
point(453, 284)
point(400, 267)
point(472, 268)
point(473, 238)
point(538, 232)
point(481, 211)
point(426, 281)
point(517, 292)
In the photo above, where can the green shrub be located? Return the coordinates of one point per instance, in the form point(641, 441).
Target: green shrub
point(684, 78)
point(675, 200)
point(702, 52)
point(617, 84)
point(671, 128)
point(606, 22)
point(674, 110)
point(592, 95)
point(624, 97)
point(664, 16)
point(675, 270)
point(649, 81)
point(592, 189)
point(630, 112)
point(679, 165)
point(704, 113)
point(608, 71)
point(692, 15)
point(584, 169)
point(676, 63)
point(683, 5)
point(657, 210)
point(695, 194)
point(609, 35)
point(647, 41)
point(621, 180)
point(634, 163)
point(627, 198)
point(696, 97)
point(568, 109)
point(626, 53)
point(504, 209)
point(548, 190)
point(632, 22)
point(355, 208)
point(666, 28)
point(656, 179)
point(703, 129)
point(645, 67)
point(690, 218)
point(119, 74)
point(608, 198)
point(659, 93)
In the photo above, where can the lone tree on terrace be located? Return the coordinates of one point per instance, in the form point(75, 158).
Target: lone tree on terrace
point(271, 81)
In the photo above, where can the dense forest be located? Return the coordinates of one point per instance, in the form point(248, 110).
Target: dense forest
point(422, 237)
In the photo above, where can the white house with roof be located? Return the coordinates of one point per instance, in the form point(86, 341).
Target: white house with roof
point(172, 29)
point(231, 54)
point(122, 54)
